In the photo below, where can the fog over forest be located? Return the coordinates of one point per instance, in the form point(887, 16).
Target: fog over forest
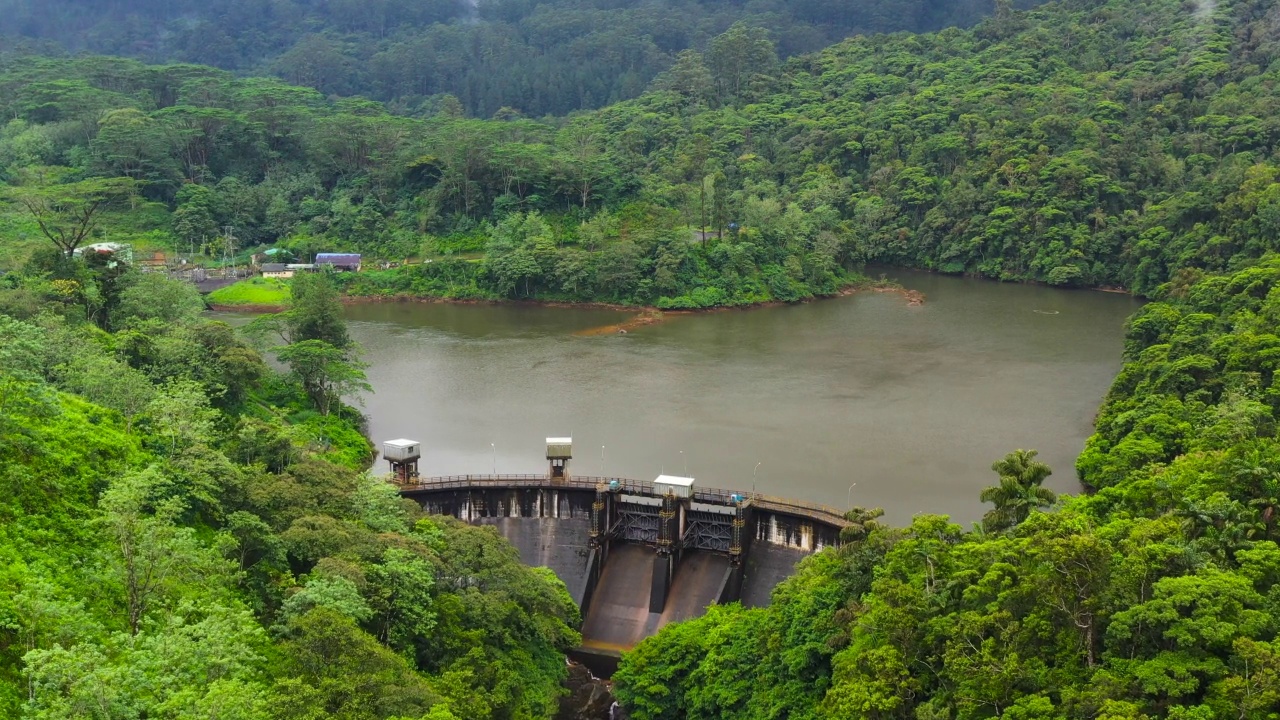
point(533, 57)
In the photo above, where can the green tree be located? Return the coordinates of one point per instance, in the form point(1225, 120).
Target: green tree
point(316, 313)
point(401, 589)
point(1019, 492)
point(333, 592)
point(742, 52)
point(193, 219)
point(135, 145)
point(112, 384)
point(334, 669)
point(150, 555)
point(326, 373)
point(68, 213)
point(152, 296)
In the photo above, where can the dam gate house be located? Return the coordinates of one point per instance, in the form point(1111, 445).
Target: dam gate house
point(403, 455)
point(559, 453)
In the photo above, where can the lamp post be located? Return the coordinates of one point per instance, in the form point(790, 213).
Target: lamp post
point(601, 460)
point(849, 496)
point(753, 478)
point(494, 448)
point(685, 460)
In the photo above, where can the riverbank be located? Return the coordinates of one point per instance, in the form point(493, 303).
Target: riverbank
point(645, 315)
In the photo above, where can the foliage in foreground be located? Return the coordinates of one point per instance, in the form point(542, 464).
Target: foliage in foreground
point(186, 534)
point(1158, 596)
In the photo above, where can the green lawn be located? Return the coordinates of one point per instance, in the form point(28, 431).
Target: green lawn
point(254, 291)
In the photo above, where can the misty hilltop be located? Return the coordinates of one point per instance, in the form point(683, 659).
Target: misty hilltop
point(535, 57)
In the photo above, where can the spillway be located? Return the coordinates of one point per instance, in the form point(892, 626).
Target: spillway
point(619, 618)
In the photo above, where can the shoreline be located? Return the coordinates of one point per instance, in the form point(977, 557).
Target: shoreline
point(1110, 289)
point(646, 314)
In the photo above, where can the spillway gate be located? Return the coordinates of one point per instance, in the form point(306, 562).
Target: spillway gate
point(636, 555)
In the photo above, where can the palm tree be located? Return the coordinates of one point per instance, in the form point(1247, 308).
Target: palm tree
point(1259, 477)
point(862, 523)
point(1019, 491)
point(1220, 525)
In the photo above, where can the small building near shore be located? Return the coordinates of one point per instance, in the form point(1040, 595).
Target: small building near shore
point(346, 262)
point(276, 270)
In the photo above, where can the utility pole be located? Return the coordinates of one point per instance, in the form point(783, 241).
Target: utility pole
point(228, 250)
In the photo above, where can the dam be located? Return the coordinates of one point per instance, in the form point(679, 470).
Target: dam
point(634, 555)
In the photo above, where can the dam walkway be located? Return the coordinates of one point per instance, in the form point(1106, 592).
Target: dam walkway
point(645, 488)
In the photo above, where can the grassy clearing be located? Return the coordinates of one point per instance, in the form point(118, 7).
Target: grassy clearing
point(145, 226)
point(254, 291)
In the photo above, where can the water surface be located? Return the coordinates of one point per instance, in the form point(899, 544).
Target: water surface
point(912, 404)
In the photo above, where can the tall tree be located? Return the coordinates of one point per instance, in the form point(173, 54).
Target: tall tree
point(1019, 491)
point(317, 311)
point(325, 372)
point(742, 52)
point(68, 213)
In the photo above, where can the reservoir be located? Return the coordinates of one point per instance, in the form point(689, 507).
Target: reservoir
point(911, 403)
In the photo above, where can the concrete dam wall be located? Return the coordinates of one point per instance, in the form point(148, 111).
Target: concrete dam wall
point(550, 528)
point(627, 586)
point(556, 543)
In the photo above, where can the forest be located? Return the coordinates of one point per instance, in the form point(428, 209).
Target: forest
point(186, 530)
point(1141, 145)
point(498, 57)
point(1154, 595)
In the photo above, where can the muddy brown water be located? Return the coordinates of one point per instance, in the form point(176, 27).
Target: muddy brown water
point(912, 404)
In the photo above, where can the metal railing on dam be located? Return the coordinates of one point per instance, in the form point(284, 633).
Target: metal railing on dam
point(712, 496)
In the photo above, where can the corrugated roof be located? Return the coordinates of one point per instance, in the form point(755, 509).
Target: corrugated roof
point(400, 443)
point(274, 267)
point(674, 480)
point(337, 258)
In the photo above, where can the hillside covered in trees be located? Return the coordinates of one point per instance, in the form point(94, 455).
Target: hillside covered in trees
point(1083, 144)
point(535, 57)
point(187, 533)
point(1127, 144)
